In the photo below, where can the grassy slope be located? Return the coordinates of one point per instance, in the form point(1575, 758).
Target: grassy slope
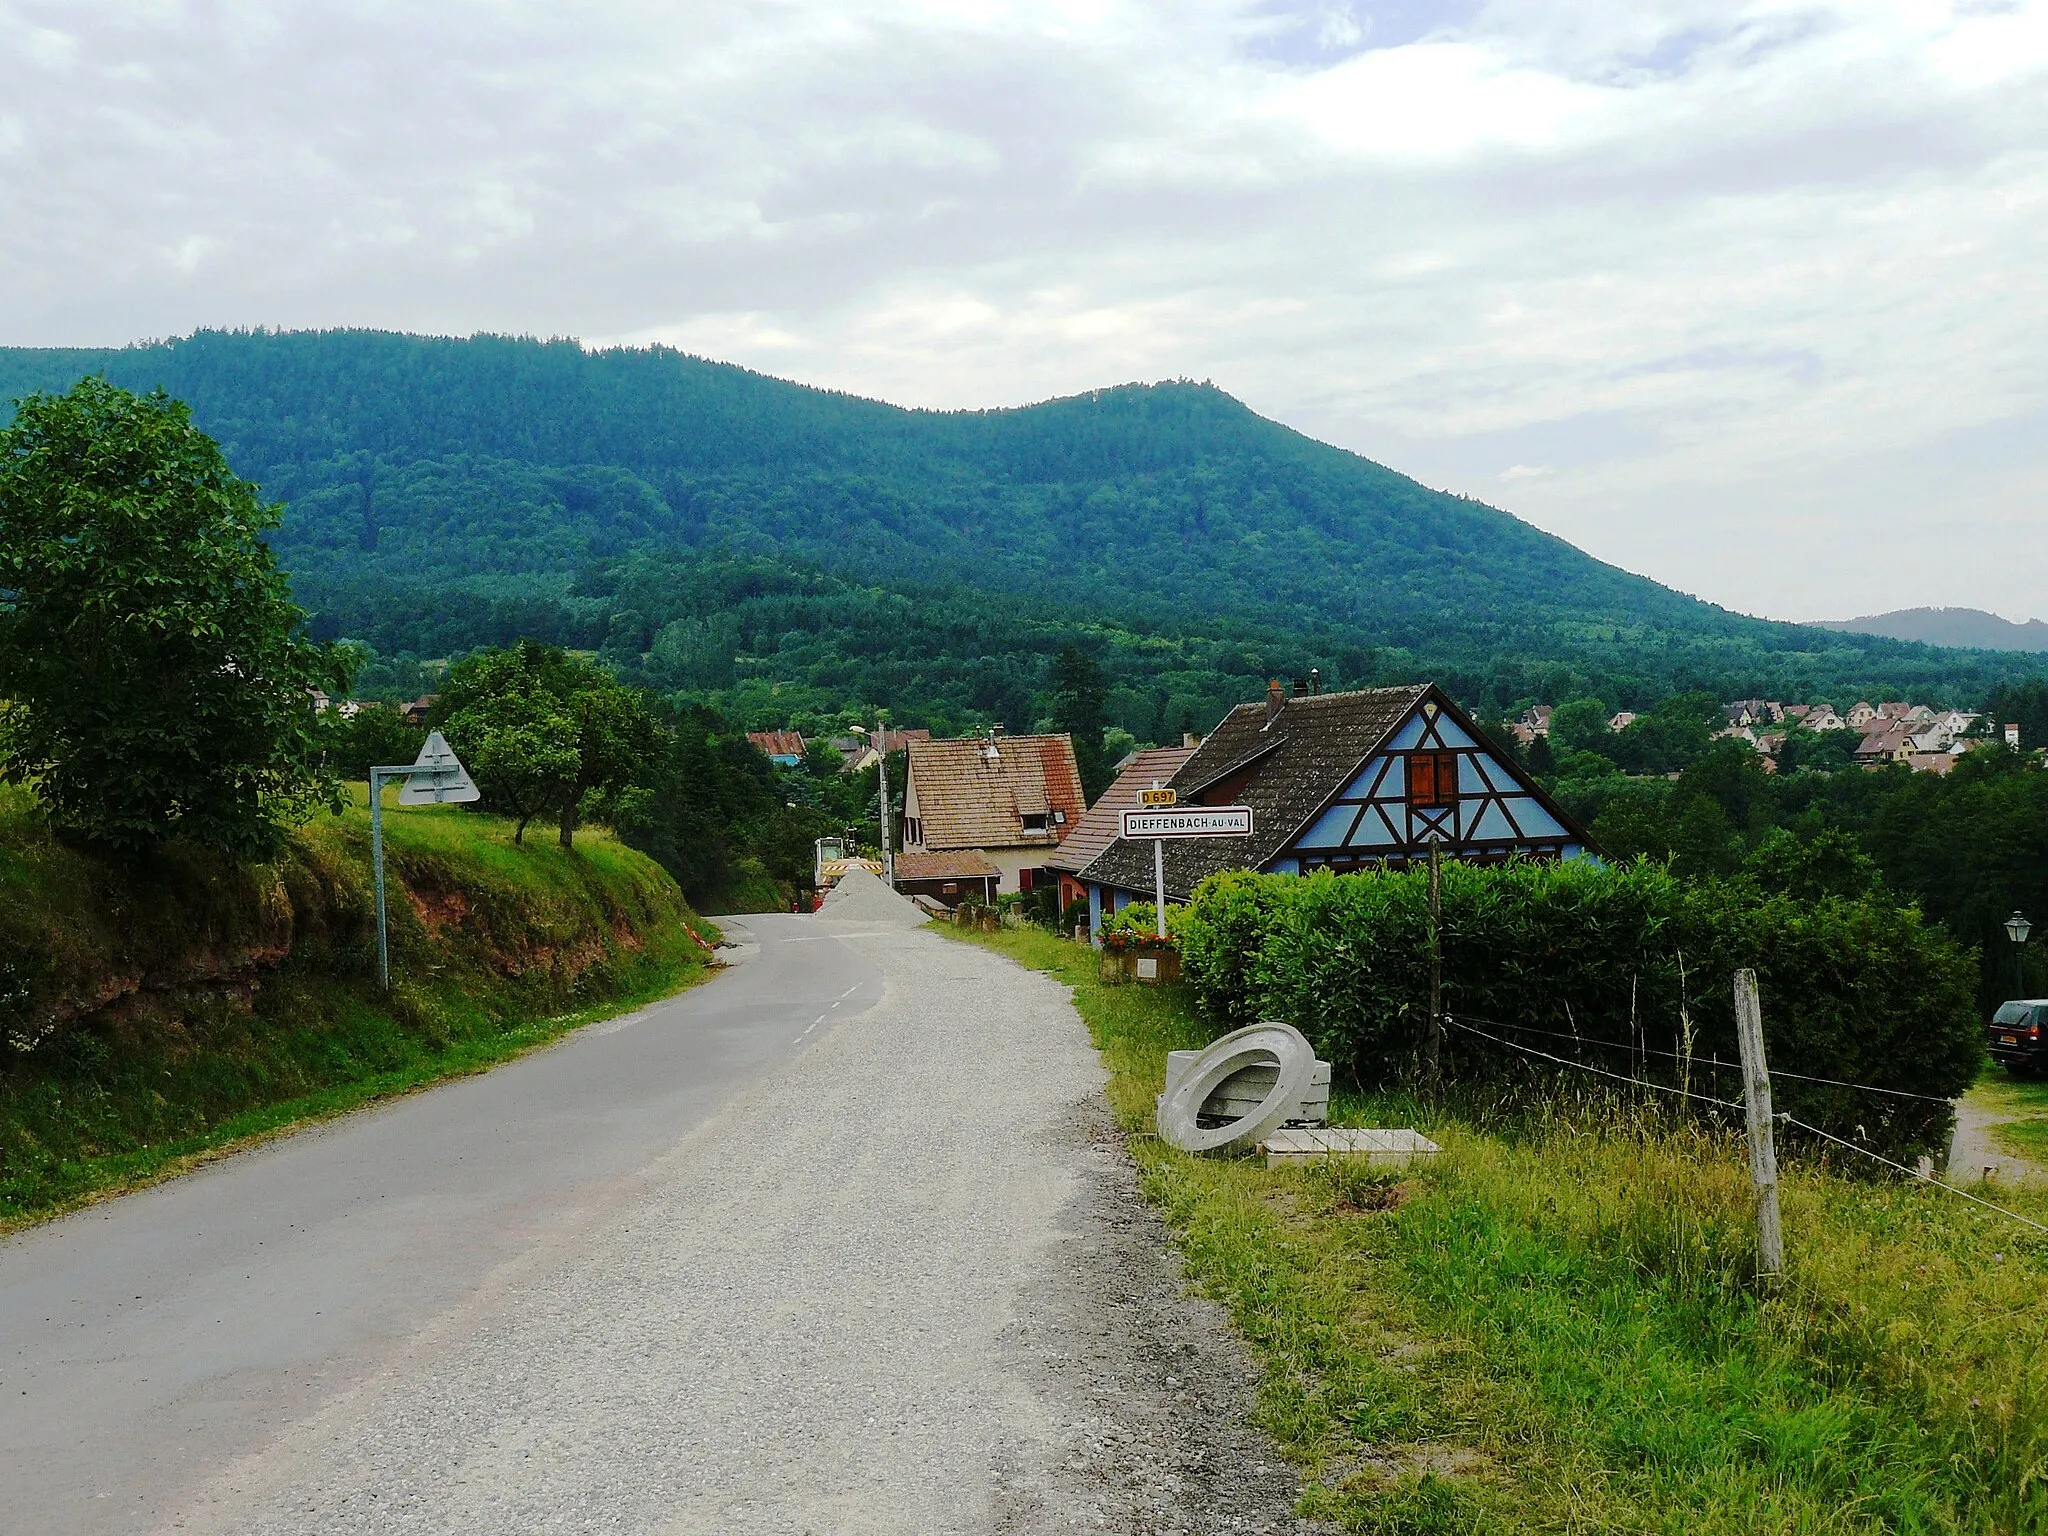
point(504, 948)
point(1551, 1327)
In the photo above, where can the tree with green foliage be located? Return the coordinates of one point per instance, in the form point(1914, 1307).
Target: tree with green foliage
point(369, 735)
point(1079, 707)
point(156, 677)
point(548, 733)
point(1581, 726)
point(2025, 705)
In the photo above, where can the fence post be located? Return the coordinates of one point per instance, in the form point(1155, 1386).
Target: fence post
point(1433, 1045)
point(1756, 1104)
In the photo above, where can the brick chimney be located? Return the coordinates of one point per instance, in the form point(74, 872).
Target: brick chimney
point(1276, 696)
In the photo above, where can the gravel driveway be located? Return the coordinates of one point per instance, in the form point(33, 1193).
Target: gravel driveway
point(902, 1283)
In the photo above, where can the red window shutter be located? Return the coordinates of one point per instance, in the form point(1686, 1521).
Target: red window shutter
point(1421, 778)
point(1432, 778)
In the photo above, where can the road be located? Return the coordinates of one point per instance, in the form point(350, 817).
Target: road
point(838, 1242)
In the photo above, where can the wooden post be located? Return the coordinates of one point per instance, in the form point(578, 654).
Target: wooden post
point(1433, 1047)
point(1756, 1103)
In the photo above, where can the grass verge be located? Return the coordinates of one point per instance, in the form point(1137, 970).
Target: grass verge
point(251, 1004)
point(2025, 1135)
point(1553, 1327)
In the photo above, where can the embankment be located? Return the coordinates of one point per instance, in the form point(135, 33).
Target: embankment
point(156, 1010)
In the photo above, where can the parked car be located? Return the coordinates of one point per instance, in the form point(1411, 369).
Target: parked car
point(2015, 1036)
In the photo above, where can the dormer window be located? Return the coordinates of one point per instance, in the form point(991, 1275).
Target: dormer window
point(1035, 823)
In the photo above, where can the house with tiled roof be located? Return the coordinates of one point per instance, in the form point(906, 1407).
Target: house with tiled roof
point(785, 749)
point(948, 878)
point(1012, 799)
point(1345, 782)
point(865, 753)
point(1092, 836)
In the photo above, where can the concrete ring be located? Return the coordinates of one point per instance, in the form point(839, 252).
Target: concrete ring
point(1255, 1045)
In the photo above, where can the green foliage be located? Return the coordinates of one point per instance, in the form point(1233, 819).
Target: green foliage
point(1580, 725)
point(155, 681)
point(371, 736)
point(1552, 1325)
point(544, 732)
point(1079, 697)
point(448, 493)
point(1856, 988)
point(182, 999)
point(2023, 704)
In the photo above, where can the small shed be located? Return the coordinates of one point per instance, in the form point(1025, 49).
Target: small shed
point(948, 878)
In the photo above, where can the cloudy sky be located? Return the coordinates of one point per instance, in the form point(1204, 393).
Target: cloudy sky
point(1752, 298)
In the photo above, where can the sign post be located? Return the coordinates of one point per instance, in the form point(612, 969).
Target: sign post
point(437, 778)
point(1159, 818)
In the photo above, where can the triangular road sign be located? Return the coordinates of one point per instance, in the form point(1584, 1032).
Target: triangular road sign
point(437, 778)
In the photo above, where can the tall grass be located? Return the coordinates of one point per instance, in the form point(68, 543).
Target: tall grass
point(1554, 1326)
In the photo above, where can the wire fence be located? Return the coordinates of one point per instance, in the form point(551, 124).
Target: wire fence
point(1713, 1062)
point(1914, 1174)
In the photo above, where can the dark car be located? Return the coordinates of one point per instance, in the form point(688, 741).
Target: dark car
point(2015, 1036)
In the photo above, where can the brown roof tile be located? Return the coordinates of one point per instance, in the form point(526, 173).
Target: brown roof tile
point(959, 864)
point(967, 798)
point(778, 743)
point(1305, 754)
point(1099, 828)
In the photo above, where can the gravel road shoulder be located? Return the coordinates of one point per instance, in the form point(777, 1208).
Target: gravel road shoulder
point(905, 1283)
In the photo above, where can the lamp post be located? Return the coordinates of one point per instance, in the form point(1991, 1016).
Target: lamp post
point(2017, 928)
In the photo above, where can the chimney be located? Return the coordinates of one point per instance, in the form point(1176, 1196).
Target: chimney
point(1301, 687)
point(1275, 697)
point(1190, 740)
point(1315, 681)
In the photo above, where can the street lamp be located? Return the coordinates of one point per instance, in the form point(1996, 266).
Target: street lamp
point(2017, 928)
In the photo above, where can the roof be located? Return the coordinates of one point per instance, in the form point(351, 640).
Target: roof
point(778, 743)
point(1310, 750)
point(956, 864)
point(1101, 826)
point(968, 798)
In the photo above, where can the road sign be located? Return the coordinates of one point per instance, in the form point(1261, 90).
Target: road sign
point(1157, 799)
point(437, 778)
point(1190, 821)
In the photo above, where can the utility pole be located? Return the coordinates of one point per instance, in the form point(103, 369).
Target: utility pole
point(1433, 1045)
point(882, 764)
point(1756, 1104)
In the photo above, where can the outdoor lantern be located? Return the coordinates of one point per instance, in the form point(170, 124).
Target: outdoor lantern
point(2017, 928)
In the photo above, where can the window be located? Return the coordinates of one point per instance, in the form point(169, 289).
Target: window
point(1432, 778)
point(1035, 823)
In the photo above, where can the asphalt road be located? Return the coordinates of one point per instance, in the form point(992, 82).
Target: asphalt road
point(775, 1255)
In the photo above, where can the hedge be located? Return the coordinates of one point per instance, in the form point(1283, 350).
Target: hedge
point(1864, 990)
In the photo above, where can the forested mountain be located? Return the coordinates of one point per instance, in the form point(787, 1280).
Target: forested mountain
point(1966, 627)
point(726, 532)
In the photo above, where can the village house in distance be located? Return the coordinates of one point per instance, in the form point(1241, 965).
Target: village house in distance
point(1343, 781)
point(999, 801)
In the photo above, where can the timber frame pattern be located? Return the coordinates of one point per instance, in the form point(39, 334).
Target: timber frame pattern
point(1493, 813)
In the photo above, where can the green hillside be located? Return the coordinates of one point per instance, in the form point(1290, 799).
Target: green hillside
point(157, 1008)
point(446, 492)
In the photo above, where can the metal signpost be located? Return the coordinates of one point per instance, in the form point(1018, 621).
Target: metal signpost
point(436, 779)
point(1159, 818)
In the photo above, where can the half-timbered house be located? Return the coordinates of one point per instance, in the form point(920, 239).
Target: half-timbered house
point(1345, 781)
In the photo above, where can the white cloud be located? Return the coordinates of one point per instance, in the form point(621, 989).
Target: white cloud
point(1750, 297)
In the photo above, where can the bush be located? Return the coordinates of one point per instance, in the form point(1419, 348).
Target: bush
point(1627, 960)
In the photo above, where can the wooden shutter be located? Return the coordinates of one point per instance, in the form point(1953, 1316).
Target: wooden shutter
point(1432, 778)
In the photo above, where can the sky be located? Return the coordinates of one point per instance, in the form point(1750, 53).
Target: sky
point(1750, 298)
